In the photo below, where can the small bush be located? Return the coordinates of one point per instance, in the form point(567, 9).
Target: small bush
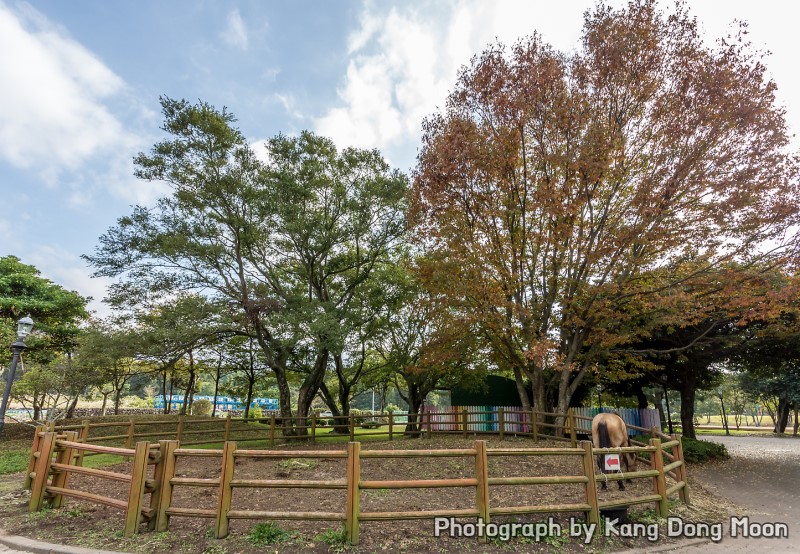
point(267, 533)
point(255, 413)
point(699, 451)
point(202, 407)
point(371, 424)
point(336, 540)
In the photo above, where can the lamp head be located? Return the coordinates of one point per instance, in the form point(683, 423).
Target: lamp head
point(24, 326)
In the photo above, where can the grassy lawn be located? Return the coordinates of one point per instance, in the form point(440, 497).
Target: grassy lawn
point(15, 452)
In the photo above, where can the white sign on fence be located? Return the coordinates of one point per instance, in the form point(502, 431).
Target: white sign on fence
point(612, 462)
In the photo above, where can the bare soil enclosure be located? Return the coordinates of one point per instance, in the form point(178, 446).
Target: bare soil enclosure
point(83, 524)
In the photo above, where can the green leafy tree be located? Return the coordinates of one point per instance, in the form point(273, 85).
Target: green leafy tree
point(285, 245)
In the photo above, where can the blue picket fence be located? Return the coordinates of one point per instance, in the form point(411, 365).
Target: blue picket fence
point(224, 403)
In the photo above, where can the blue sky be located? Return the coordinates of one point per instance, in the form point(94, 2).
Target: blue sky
point(80, 81)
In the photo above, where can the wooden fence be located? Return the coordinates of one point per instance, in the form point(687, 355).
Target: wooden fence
point(59, 454)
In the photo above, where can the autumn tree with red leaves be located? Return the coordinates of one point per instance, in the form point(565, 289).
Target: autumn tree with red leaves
point(559, 192)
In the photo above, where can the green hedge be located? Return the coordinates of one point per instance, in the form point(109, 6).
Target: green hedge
point(699, 451)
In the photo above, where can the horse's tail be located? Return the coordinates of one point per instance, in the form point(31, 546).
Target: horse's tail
point(602, 435)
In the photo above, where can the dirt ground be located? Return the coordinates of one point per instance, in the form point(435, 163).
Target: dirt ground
point(83, 524)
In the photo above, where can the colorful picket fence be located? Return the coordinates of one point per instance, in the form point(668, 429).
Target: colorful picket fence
point(485, 419)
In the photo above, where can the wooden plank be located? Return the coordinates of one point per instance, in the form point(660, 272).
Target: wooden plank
point(256, 514)
point(313, 427)
point(535, 426)
point(83, 436)
point(391, 426)
point(451, 453)
point(289, 484)
point(198, 452)
point(98, 448)
point(93, 472)
point(631, 475)
point(482, 482)
point(194, 482)
point(549, 480)
point(676, 487)
point(417, 514)
point(61, 476)
point(42, 471)
point(351, 428)
point(179, 431)
point(464, 421)
point(37, 439)
point(501, 423)
point(572, 434)
point(514, 510)
point(129, 436)
point(628, 501)
point(535, 451)
point(419, 484)
point(593, 514)
point(353, 502)
point(221, 526)
point(678, 454)
point(90, 497)
point(272, 431)
point(291, 453)
point(227, 427)
point(165, 471)
point(669, 467)
point(659, 482)
point(133, 513)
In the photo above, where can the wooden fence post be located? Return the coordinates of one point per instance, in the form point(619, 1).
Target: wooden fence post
point(227, 427)
point(482, 476)
point(272, 431)
point(352, 506)
point(659, 483)
point(225, 491)
point(313, 427)
point(501, 422)
point(37, 440)
point(179, 431)
point(391, 424)
point(535, 427)
point(165, 471)
point(129, 438)
point(351, 426)
point(677, 452)
point(572, 435)
point(61, 478)
point(593, 516)
point(133, 514)
point(42, 470)
point(83, 436)
point(429, 429)
point(464, 421)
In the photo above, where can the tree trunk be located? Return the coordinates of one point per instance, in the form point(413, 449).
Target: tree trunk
point(659, 406)
point(216, 387)
point(71, 407)
point(251, 382)
point(416, 400)
point(796, 422)
point(105, 402)
point(782, 416)
point(687, 406)
point(339, 424)
point(309, 389)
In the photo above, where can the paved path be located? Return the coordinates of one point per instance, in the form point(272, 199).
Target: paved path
point(763, 476)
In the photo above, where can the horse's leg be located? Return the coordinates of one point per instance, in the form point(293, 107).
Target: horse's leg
point(603, 485)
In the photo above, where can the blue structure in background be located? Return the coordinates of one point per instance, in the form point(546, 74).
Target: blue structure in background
point(224, 403)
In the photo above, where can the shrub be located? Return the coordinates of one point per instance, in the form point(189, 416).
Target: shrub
point(202, 407)
point(255, 412)
point(392, 408)
point(699, 451)
point(268, 533)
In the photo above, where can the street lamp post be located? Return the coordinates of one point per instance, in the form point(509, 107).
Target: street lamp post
point(24, 327)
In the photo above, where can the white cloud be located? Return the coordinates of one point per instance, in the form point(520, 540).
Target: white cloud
point(70, 272)
point(404, 59)
point(53, 118)
point(235, 33)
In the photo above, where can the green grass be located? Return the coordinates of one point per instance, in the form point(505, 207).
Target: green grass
point(268, 533)
point(336, 540)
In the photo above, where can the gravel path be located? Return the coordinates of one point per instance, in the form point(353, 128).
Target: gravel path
point(762, 476)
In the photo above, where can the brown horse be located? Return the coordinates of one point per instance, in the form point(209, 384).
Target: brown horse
point(609, 431)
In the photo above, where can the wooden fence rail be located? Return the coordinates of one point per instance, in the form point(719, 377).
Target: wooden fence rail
point(50, 481)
